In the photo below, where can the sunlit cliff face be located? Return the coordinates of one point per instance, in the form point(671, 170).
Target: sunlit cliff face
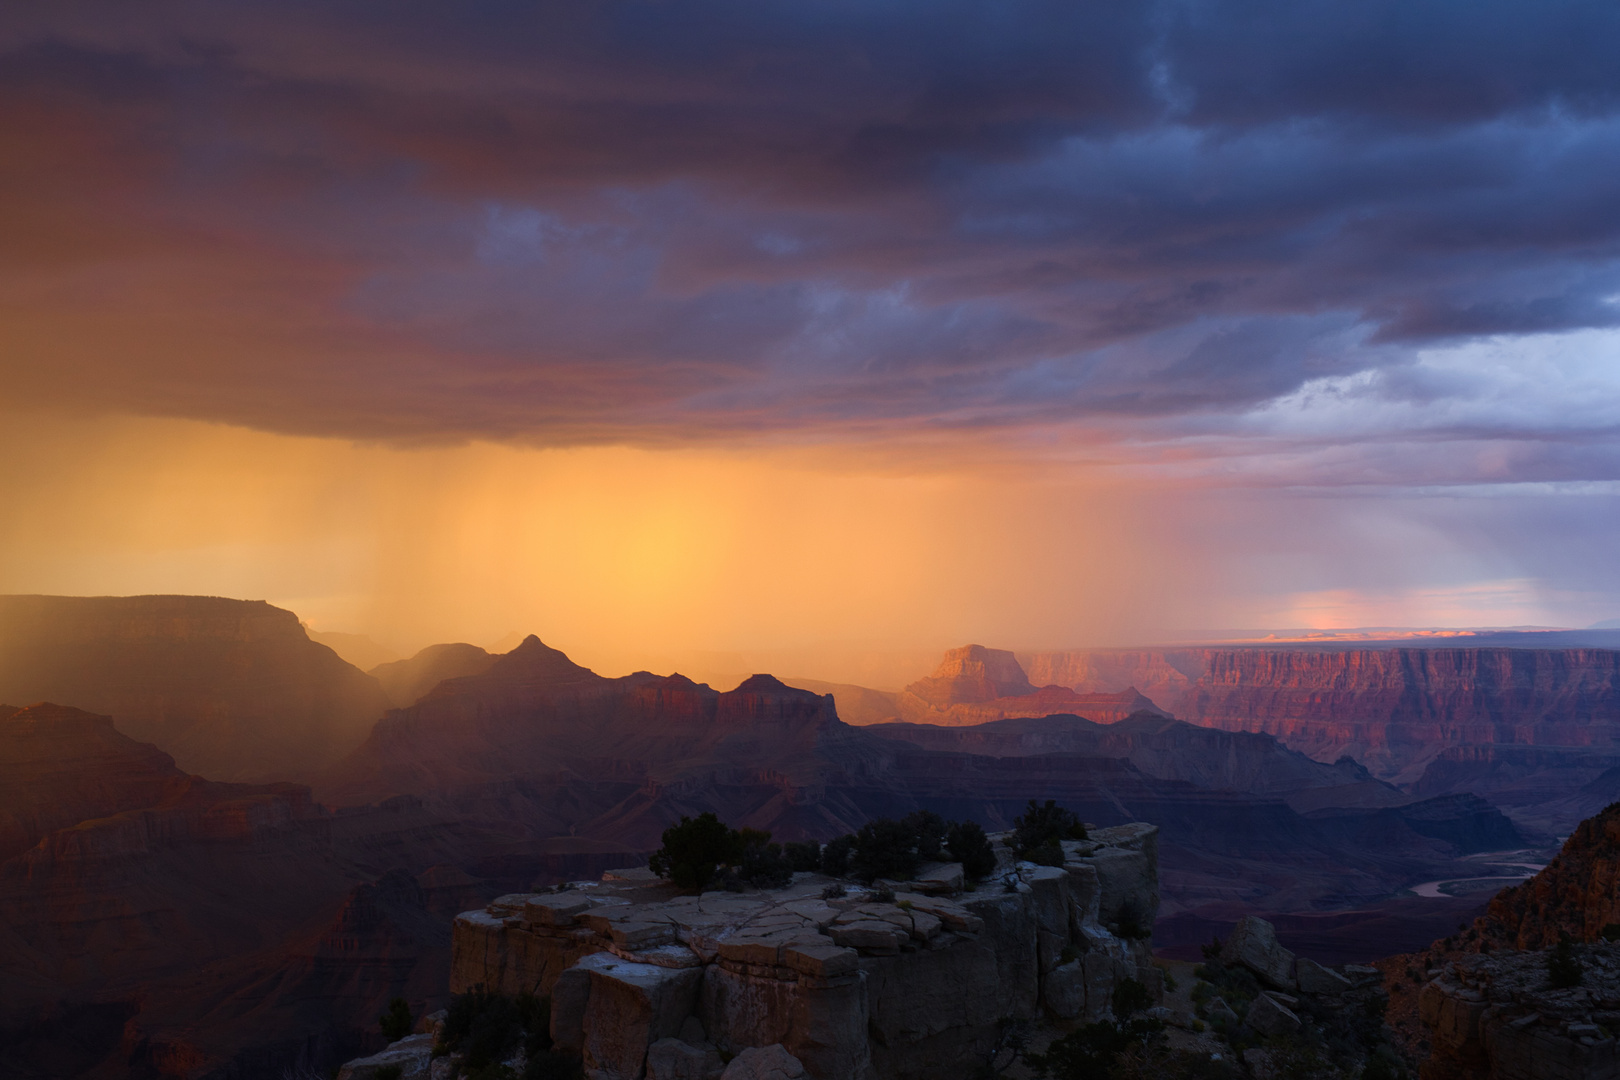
point(667, 329)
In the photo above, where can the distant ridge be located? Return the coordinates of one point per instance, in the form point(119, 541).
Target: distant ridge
point(232, 689)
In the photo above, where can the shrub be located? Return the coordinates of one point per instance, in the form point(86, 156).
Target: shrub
point(483, 1027)
point(970, 847)
point(396, 1021)
point(805, 855)
point(1090, 1052)
point(928, 830)
point(695, 849)
point(1039, 824)
point(1563, 966)
point(762, 864)
point(552, 1065)
point(486, 1029)
point(1132, 920)
point(1049, 853)
point(1131, 997)
point(835, 856)
point(884, 848)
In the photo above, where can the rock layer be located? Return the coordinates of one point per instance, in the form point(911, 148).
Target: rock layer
point(852, 986)
point(1393, 709)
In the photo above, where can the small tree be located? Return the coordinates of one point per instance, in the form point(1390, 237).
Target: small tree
point(695, 849)
point(835, 856)
point(763, 863)
point(884, 848)
point(1045, 826)
point(804, 855)
point(396, 1021)
point(1563, 966)
point(929, 830)
point(970, 847)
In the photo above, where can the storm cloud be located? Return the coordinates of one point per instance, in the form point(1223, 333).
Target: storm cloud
point(1310, 232)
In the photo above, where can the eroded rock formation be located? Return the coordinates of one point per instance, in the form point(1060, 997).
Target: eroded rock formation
point(1393, 709)
point(1495, 1017)
point(976, 685)
point(854, 985)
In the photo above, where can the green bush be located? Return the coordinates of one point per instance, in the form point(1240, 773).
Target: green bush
point(486, 1029)
point(929, 831)
point(1130, 998)
point(969, 846)
point(763, 864)
point(884, 848)
point(835, 856)
point(805, 855)
point(1563, 966)
point(1038, 825)
point(1089, 1053)
point(695, 850)
point(396, 1021)
point(1132, 920)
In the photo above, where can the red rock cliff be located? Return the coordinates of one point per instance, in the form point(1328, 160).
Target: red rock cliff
point(1393, 709)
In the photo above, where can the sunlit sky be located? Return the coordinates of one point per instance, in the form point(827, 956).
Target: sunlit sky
point(816, 336)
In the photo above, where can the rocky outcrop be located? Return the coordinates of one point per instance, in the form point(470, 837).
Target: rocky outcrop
point(1393, 709)
point(231, 689)
point(1494, 1017)
point(1495, 1007)
point(976, 685)
point(407, 681)
point(851, 983)
point(1577, 893)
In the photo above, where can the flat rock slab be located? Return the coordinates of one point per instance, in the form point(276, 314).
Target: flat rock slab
point(764, 1063)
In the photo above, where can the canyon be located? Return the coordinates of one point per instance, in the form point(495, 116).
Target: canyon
point(1393, 709)
point(231, 689)
point(241, 924)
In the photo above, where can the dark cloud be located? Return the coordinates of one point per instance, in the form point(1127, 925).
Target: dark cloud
point(656, 221)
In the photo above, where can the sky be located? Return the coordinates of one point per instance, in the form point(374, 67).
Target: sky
point(808, 334)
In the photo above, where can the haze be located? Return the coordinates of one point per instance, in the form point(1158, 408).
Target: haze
point(820, 342)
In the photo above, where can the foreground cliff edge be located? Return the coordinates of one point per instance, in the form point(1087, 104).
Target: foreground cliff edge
point(897, 979)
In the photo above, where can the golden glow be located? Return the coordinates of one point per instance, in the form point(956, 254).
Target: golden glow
point(711, 562)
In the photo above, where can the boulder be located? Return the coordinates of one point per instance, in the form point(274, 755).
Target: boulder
point(1312, 978)
point(764, 1063)
point(672, 1059)
point(412, 1056)
point(570, 997)
point(555, 910)
point(871, 934)
point(1128, 871)
point(1099, 971)
point(1086, 887)
point(1253, 944)
point(632, 1006)
point(1220, 1013)
point(1269, 1016)
point(1063, 990)
point(940, 880)
point(1053, 898)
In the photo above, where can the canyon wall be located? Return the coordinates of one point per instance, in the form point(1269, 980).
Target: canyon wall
point(852, 983)
point(231, 689)
point(1393, 709)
